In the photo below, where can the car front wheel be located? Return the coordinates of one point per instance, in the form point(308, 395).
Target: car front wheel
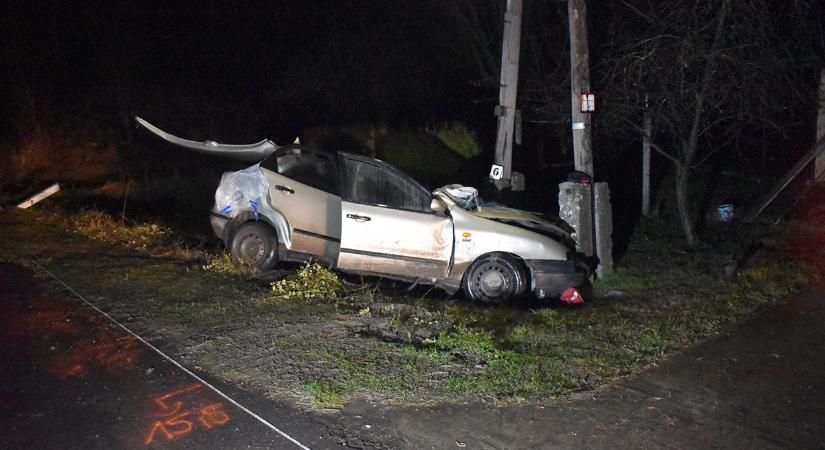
point(494, 278)
point(254, 244)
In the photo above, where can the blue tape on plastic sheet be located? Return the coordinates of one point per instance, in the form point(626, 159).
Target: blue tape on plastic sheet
point(254, 208)
point(226, 209)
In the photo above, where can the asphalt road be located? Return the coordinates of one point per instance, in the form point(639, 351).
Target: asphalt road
point(70, 378)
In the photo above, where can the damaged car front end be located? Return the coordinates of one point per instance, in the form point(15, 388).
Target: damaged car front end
point(361, 215)
point(543, 246)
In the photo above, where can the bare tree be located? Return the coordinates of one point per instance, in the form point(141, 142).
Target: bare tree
point(711, 70)
point(714, 70)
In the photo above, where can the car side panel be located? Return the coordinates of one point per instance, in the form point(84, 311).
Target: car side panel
point(379, 240)
point(476, 236)
point(314, 216)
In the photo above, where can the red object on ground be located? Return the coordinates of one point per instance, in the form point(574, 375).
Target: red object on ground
point(572, 297)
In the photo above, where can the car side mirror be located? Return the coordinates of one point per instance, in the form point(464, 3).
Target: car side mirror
point(438, 207)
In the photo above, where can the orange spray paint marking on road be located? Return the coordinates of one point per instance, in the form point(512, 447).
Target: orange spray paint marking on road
point(171, 428)
point(213, 416)
point(161, 400)
point(85, 342)
point(106, 351)
point(180, 411)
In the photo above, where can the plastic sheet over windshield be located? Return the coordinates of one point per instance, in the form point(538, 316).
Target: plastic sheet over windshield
point(464, 196)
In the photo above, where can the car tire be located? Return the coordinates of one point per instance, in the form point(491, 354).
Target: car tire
point(254, 244)
point(494, 278)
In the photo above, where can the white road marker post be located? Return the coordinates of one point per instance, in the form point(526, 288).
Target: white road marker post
point(34, 199)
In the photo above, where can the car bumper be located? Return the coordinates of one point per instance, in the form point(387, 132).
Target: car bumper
point(219, 224)
point(549, 278)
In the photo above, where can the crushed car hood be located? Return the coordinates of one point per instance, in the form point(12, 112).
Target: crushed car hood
point(538, 223)
point(526, 219)
point(244, 152)
point(466, 197)
point(504, 212)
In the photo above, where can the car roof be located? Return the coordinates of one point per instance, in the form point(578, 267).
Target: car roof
point(355, 156)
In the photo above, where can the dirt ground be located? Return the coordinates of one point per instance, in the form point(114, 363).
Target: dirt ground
point(379, 383)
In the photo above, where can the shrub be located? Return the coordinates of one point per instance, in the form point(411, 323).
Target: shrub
point(311, 282)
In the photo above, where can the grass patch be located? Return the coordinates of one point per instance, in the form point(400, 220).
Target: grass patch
point(324, 394)
point(622, 280)
point(348, 374)
point(501, 372)
point(101, 226)
point(235, 375)
point(221, 262)
point(152, 238)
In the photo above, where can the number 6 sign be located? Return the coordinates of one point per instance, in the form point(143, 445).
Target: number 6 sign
point(496, 172)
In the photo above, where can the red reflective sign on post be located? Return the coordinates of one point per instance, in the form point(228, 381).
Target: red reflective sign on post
point(587, 102)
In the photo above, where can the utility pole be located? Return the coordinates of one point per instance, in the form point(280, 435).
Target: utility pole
point(647, 126)
point(580, 82)
point(585, 206)
point(506, 109)
point(819, 163)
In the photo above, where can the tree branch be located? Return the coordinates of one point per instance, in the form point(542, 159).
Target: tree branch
point(653, 145)
point(718, 147)
point(692, 143)
point(638, 12)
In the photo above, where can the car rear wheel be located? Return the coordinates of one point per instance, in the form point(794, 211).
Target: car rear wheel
point(254, 244)
point(494, 278)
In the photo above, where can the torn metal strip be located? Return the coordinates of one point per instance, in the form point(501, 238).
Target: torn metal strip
point(244, 152)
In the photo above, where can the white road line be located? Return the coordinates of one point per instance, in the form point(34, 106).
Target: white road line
point(177, 364)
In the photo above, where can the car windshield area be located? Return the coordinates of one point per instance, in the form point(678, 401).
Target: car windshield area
point(464, 196)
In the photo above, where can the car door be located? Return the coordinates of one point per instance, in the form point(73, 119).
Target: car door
point(303, 187)
point(387, 224)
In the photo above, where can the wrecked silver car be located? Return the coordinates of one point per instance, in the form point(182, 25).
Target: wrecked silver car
point(363, 216)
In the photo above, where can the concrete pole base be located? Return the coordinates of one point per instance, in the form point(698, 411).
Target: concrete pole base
point(575, 208)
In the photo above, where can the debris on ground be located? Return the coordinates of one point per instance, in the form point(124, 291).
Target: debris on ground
point(572, 296)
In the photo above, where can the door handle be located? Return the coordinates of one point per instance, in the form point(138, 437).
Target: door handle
point(358, 218)
point(285, 189)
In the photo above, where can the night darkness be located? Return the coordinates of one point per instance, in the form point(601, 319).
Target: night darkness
point(156, 297)
point(238, 72)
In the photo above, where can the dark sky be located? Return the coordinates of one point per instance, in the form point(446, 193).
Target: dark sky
point(239, 71)
point(260, 66)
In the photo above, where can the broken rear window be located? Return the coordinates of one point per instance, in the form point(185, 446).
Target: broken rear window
point(311, 169)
